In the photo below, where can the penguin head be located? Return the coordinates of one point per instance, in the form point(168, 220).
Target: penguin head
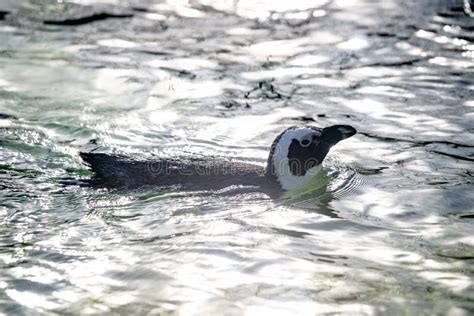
point(297, 153)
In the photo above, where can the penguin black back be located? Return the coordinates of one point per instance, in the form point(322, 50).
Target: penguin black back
point(117, 171)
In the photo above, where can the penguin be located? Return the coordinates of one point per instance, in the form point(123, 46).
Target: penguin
point(295, 158)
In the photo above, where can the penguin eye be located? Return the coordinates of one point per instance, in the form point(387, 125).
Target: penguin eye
point(305, 142)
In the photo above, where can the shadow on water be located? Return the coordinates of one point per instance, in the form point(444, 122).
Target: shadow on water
point(390, 234)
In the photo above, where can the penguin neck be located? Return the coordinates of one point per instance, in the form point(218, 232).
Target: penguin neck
point(281, 173)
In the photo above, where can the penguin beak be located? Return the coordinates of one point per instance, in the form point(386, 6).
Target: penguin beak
point(334, 134)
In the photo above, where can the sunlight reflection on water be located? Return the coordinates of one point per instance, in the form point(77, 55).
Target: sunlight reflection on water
point(391, 232)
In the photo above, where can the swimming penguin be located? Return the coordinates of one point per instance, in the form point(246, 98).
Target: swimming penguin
point(295, 158)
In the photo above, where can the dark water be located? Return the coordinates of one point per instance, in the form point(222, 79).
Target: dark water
point(393, 234)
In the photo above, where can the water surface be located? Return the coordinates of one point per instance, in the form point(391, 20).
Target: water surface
point(392, 234)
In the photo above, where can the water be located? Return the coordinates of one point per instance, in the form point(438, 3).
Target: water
point(392, 234)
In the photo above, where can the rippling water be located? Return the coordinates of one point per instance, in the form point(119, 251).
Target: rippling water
point(391, 233)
